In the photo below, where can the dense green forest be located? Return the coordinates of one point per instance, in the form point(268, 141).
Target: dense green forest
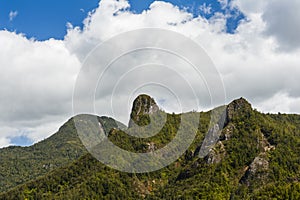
point(21, 164)
point(256, 156)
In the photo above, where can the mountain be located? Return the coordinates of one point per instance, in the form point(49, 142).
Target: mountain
point(21, 164)
point(252, 156)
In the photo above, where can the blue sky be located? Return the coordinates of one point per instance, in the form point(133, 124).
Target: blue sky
point(21, 141)
point(193, 6)
point(47, 19)
point(44, 19)
point(264, 44)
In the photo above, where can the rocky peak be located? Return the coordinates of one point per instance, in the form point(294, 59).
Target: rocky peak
point(142, 107)
point(238, 107)
point(257, 171)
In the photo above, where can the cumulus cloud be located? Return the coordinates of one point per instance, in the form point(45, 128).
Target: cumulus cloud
point(248, 6)
point(280, 102)
point(36, 82)
point(38, 77)
point(283, 22)
point(108, 21)
point(12, 15)
point(249, 61)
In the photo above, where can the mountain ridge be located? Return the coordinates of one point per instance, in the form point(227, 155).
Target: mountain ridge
point(255, 156)
point(59, 149)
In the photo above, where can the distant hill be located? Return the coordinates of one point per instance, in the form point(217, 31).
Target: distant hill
point(21, 164)
point(256, 156)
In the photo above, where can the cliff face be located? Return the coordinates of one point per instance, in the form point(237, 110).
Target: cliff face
point(142, 107)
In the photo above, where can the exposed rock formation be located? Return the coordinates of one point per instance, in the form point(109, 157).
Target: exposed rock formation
point(238, 107)
point(216, 154)
point(227, 132)
point(257, 172)
point(210, 140)
point(263, 144)
point(142, 107)
point(151, 147)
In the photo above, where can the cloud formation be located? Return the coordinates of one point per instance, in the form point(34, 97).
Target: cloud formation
point(12, 15)
point(260, 62)
point(36, 83)
point(282, 22)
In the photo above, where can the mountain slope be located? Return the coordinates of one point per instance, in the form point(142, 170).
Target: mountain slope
point(256, 157)
point(21, 164)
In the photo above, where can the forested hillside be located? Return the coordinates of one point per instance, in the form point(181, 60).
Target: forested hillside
point(21, 164)
point(256, 156)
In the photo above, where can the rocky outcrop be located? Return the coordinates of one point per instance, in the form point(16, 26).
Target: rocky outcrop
point(263, 144)
point(151, 147)
point(239, 107)
point(216, 154)
point(260, 163)
point(210, 140)
point(142, 107)
point(227, 132)
point(217, 122)
point(258, 170)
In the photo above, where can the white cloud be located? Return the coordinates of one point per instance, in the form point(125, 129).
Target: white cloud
point(37, 78)
point(283, 22)
point(206, 9)
point(12, 15)
point(280, 102)
point(249, 61)
point(248, 6)
point(36, 82)
point(113, 17)
point(224, 3)
point(6, 132)
point(281, 18)
point(4, 142)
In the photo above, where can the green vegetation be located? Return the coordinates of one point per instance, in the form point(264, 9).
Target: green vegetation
point(21, 164)
point(256, 157)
